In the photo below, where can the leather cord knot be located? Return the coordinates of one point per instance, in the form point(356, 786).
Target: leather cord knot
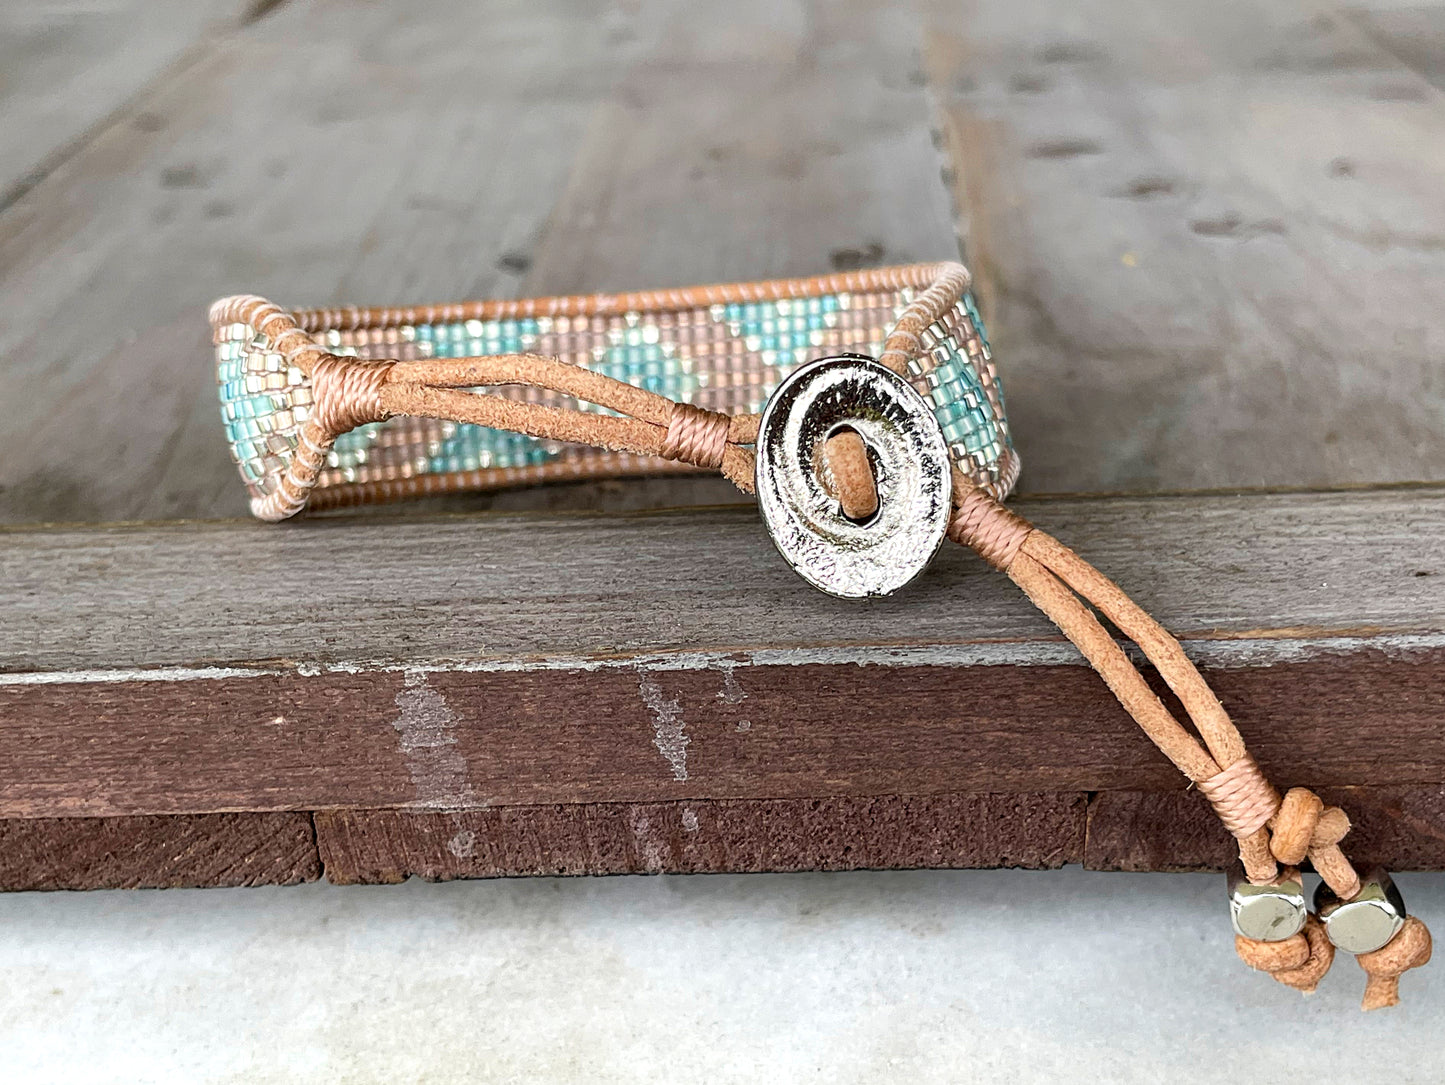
point(1299, 961)
point(1242, 797)
point(695, 436)
point(347, 392)
point(985, 526)
point(1410, 948)
point(1304, 826)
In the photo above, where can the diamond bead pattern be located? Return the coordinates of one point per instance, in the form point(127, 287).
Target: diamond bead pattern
point(722, 357)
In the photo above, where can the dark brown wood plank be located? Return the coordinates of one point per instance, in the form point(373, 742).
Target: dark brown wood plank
point(1035, 830)
point(1208, 236)
point(459, 739)
point(157, 852)
point(1401, 827)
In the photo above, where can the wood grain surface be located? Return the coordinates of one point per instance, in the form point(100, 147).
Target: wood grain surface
point(1209, 236)
point(1209, 242)
point(678, 666)
point(1019, 829)
point(658, 145)
point(1251, 578)
point(158, 852)
point(74, 67)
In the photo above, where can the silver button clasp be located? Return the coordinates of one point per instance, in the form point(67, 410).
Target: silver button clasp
point(909, 457)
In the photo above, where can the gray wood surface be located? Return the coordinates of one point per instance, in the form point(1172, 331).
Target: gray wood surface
point(1209, 234)
point(72, 67)
point(1241, 579)
point(336, 153)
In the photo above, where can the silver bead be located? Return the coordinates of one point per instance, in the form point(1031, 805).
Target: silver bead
point(910, 464)
point(1267, 913)
point(1369, 920)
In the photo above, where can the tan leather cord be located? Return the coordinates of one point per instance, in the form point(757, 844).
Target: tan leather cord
point(1299, 961)
point(848, 475)
point(1215, 727)
point(1269, 830)
point(1295, 824)
point(536, 371)
point(1305, 827)
point(1410, 948)
point(555, 423)
point(1052, 596)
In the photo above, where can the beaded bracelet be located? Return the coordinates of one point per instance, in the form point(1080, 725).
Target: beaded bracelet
point(865, 412)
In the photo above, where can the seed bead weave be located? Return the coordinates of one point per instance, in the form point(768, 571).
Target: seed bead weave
point(721, 348)
point(331, 407)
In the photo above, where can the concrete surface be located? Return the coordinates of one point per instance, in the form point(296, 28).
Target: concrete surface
point(919, 976)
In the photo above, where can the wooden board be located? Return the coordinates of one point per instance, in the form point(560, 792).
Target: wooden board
point(1037, 830)
point(158, 852)
point(327, 667)
point(1208, 238)
point(1397, 826)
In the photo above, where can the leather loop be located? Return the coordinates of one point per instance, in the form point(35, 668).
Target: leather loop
point(1410, 948)
point(1300, 961)
point(1304, 826)
point(1294, 825)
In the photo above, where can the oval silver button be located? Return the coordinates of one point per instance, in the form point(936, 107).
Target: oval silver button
point(910, 463)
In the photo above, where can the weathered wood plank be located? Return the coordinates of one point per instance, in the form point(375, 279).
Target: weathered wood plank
point(673, 657)
point(1245, 578)
point(332, 153)
point(1209, 237)
point(1401, 827)
point(642, 732)
point(1213, 228)
point(1413, 32)
point(1039, 831)
point(1179, 262)
point(72, 65)
point(157, 852)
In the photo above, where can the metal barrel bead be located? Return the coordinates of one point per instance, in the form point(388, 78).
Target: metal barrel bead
point(1267, 913)
point(1368, 920)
